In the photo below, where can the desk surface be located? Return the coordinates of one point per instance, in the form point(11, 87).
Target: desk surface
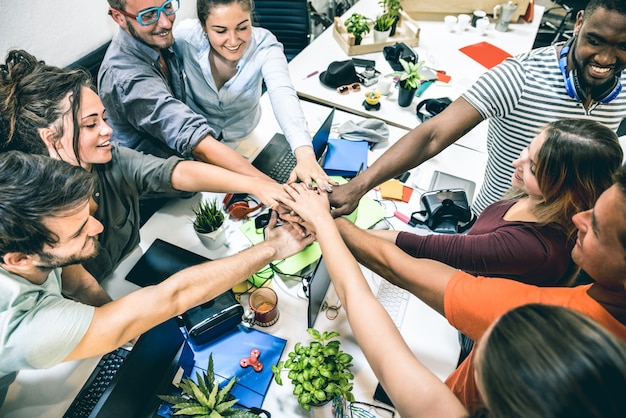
point(440, 50)
point(48, 393)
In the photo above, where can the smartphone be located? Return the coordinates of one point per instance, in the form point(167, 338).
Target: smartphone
point(360, 62)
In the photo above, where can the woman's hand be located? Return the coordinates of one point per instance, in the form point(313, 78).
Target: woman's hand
point(310, 205)
point(308, 171)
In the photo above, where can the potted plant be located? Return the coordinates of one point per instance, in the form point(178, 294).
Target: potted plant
point(410, 81)
point(382, 27)
point(205, 398)
point(209, 223)
point(319, 371)
point(358, 25)
point(392, 7)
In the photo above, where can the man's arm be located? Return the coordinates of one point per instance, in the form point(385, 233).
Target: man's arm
point(123, 319)
point(214, 152)
point(81, 286)
point(426, 279)
point(417, 146)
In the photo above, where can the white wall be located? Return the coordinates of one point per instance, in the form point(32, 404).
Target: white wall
point(61, 31)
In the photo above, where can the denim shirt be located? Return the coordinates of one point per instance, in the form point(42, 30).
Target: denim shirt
point(147, 112)
point(234, 110)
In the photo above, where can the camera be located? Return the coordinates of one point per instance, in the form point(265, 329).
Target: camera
point(369, 76)
point(393, 53)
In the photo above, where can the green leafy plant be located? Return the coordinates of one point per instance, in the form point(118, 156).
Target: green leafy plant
point(206, 399)
point(383, 22)
point(319, 371)
point(358, 25)
point(209, 216)
point(391, 7)
point(410, 78)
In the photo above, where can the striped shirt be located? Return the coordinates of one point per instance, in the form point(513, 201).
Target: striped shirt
point(519, 97)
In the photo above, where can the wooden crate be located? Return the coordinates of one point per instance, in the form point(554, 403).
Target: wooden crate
point(436, 10)
point(407, 31)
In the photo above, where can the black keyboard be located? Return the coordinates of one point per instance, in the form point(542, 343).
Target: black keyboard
point(281, 171)
point(97, 383)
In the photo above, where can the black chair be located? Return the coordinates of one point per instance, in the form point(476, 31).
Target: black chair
point(91, 62)
point(558, 21)
point(288, 20)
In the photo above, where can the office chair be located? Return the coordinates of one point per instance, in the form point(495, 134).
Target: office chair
point(558, 21)
point(288, 20)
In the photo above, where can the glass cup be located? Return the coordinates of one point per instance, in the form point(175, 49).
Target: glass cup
point(264, 304)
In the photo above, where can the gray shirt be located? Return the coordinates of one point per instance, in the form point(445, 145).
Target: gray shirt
point(147, 112)
point(39, 327)
point(129, 176)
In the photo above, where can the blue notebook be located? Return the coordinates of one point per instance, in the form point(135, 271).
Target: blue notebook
point(229, 349)
point(345, 157)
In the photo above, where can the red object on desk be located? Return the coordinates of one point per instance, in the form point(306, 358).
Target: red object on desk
point(485, 54)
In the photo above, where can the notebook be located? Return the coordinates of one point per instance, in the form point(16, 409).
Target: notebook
point(277, 160)
point(345, 157)
point(486, 54)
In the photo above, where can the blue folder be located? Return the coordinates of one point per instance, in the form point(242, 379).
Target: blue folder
point(345, 157)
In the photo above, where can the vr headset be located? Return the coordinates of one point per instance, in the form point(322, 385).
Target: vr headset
point(393, 53)
point(446, 211)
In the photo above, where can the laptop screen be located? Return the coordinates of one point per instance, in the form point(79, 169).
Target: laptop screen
point(321, 136)
point(317, 288)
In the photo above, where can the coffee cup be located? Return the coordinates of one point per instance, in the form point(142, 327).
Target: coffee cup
point(384, 85)
point(449, 22)
point(482, 25)
point(464, 21)
point(478, 14)
point(264, 304)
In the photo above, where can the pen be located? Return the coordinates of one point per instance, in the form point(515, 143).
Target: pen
point(311, 75)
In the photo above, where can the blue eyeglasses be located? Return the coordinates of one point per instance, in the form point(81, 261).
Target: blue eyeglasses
point(150, 16)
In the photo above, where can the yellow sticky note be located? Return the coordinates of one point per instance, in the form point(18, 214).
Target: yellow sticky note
point(392, 189)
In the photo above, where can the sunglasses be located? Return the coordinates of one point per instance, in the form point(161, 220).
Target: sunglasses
point(355, 87)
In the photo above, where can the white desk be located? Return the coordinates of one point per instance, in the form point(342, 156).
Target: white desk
point(48, 393)
point(440, 50)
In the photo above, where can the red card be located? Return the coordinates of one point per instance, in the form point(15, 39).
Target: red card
point(485, 54)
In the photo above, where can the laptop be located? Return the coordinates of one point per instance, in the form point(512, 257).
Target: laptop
point(129, 385)
point(317, 287)
point(277, 160)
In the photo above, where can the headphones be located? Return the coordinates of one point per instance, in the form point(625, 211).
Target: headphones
point(238, 206)
point(572, 84)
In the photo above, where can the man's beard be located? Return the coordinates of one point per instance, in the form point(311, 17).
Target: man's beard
point(135, 35)
point(49, 262)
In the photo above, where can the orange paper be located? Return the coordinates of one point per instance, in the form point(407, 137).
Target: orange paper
point(485, 54)
point(392, 189)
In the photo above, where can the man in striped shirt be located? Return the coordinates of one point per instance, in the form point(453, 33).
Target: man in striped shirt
point(579, 79)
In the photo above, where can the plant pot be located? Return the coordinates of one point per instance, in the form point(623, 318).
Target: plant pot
point(394, 26)
point(405, 96)
point(213, 240)
point(381, 36)
point(357, 40)
point(338, 408)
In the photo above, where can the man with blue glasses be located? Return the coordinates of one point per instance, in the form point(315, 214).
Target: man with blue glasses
point(141, 84)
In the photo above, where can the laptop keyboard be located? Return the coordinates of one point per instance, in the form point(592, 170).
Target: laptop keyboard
point(280, 172)
point(97, 383)
point(394, 299)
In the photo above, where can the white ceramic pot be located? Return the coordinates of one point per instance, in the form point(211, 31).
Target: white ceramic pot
point(380, 37)
point(213, 240)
